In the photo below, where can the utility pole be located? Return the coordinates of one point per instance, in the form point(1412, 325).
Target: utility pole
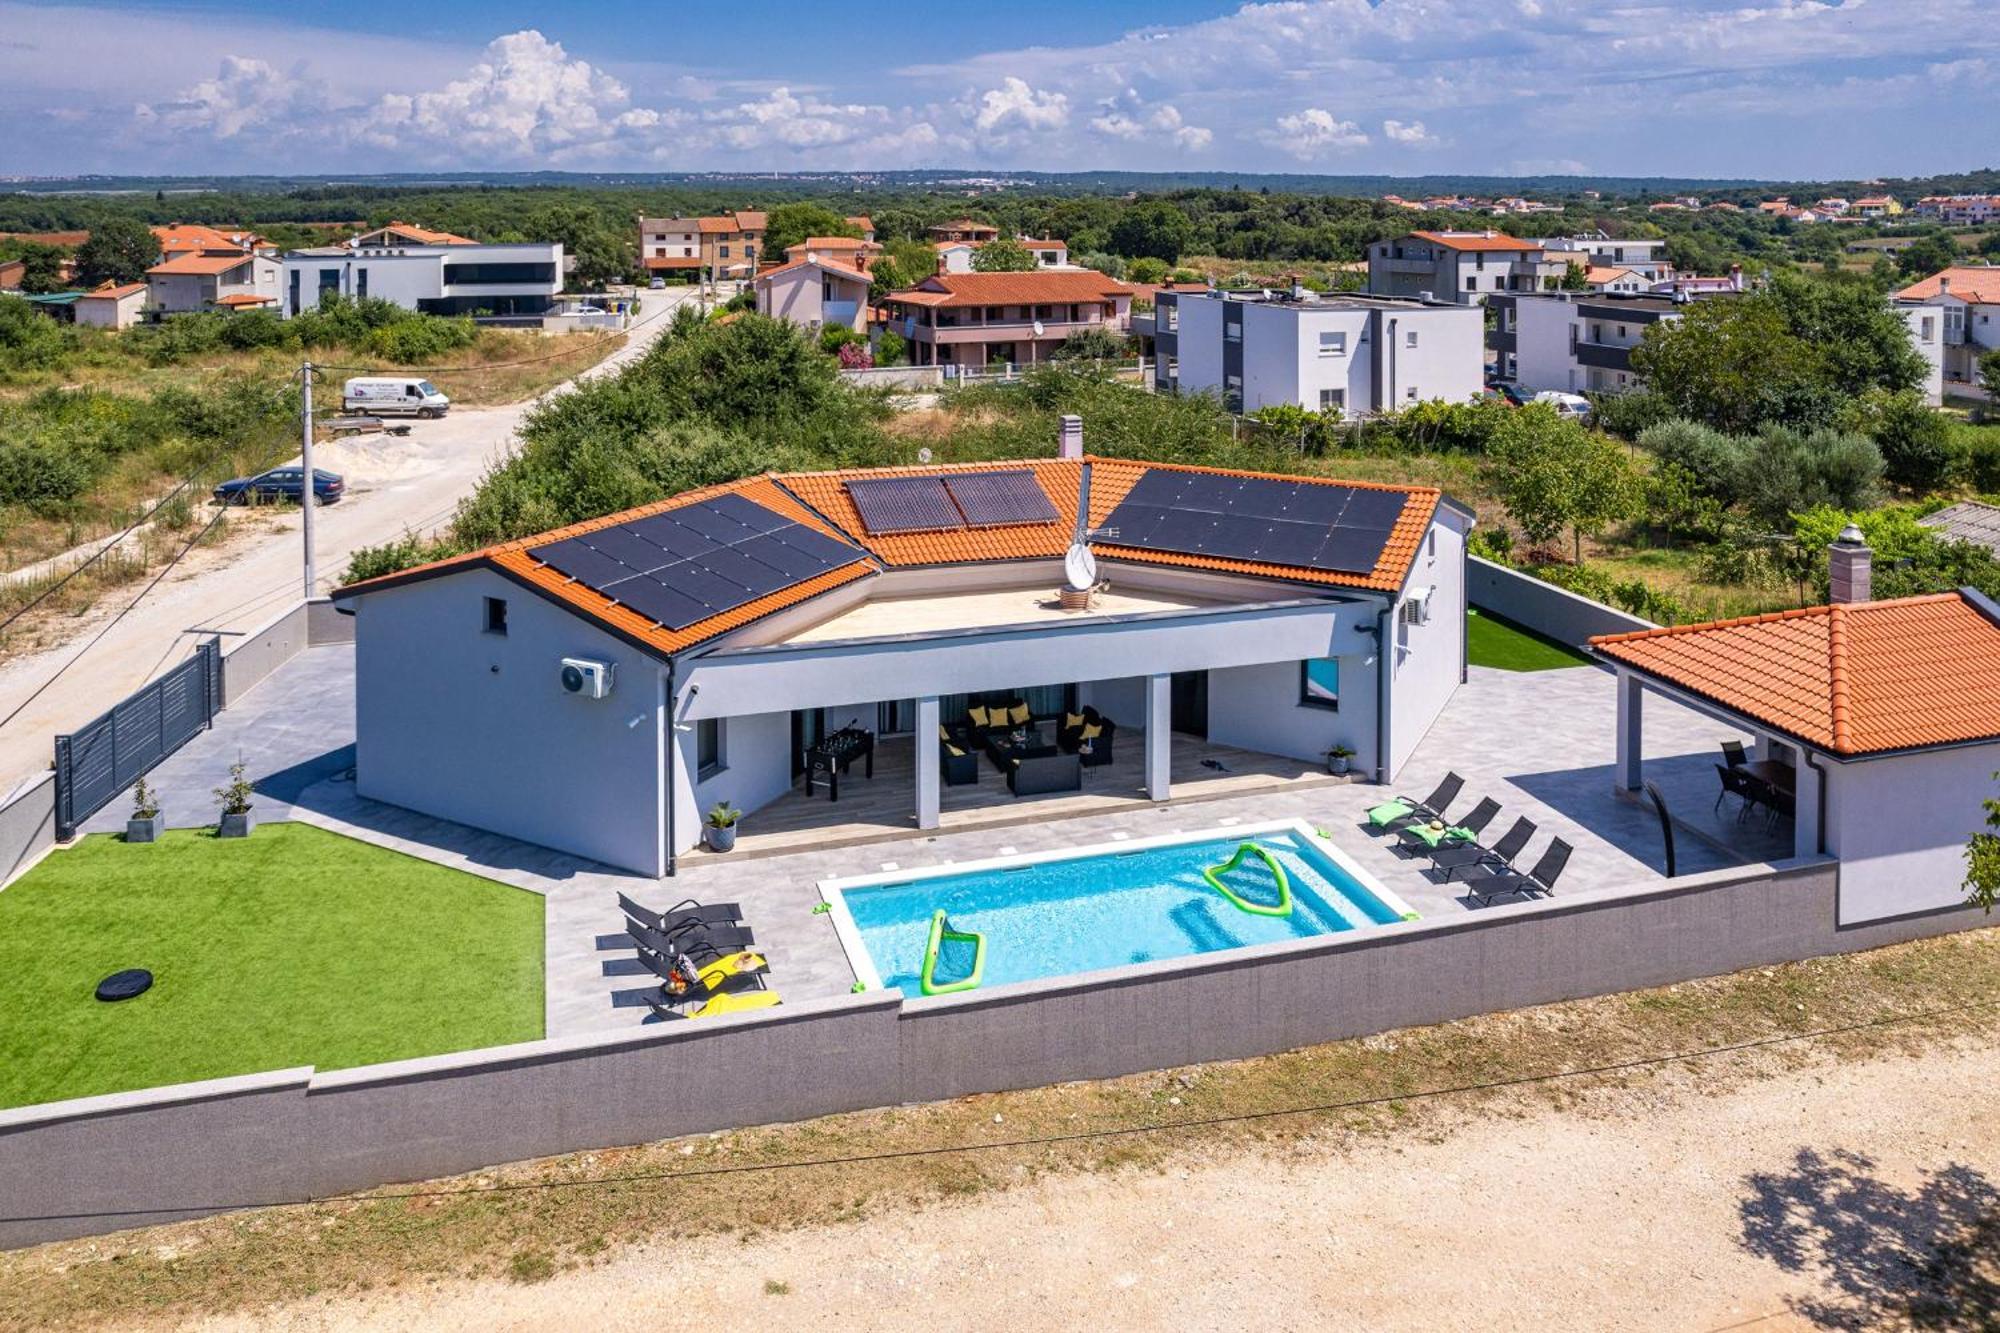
point(307, 498)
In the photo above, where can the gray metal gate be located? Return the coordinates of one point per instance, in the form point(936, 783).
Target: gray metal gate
point(99, 760)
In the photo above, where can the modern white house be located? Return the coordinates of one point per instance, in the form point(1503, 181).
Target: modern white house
point(1336, 353)
point(1460, 266)
point(453, 278)
point(1967, 298)
point(814, 292)
point(596, 688)
point(1877, 727)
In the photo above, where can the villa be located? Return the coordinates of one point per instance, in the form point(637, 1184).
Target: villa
point(597, 688)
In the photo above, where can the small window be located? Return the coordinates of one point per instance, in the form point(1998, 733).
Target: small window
point(1472, 284)
point(708, 753)
point(1319, 683)
point(496, 615)
point(1333, 343)
point(1410, 338)
point(1411, 393)
point(1333, 400)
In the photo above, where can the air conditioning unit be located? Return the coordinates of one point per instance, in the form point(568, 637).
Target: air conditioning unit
point(1417, 606)
point(581, 675)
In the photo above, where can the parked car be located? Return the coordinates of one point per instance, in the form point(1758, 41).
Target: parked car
point(657, 284)
point(280, 483)
point(1507, 392)
point(384, 396)
point(1566, 404)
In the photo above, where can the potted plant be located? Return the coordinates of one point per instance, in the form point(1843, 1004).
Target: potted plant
point(719, 830)
point(234, 798)
point(145, 825)
point(1338, 759)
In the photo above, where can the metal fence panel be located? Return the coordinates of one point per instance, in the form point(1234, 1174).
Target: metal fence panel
point(103, 757)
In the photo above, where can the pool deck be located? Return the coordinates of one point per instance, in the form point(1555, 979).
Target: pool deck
point(1541, 743)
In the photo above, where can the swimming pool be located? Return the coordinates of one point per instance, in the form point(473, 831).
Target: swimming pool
point(1088, 908)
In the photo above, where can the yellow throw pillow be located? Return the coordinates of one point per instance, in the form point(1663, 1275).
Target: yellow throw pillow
point(943, 735)
point(1019, 714)
point(978, 716)
point(954, 752)
point(1071, 721)
point(1091, 732)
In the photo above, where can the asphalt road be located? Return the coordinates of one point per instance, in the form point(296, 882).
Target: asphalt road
point(395, 484)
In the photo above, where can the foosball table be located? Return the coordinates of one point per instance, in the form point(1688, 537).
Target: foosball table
point(835, 754)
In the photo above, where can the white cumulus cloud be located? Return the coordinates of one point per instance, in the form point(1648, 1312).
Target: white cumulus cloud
point(525, 98)
point(1411, 133)
point(1014, 106)
point(1127, 117)
point(1314, 131)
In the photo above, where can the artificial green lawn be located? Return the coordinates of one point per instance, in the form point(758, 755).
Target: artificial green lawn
point(1493, 642)
point(292, 947)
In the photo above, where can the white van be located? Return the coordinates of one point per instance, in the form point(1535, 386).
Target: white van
point(1566, 404)
point(393, 397)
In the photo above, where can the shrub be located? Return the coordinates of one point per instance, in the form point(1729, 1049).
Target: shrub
point(1711, 459)
point(1628, 415)
point(1915, 440)
point(1633, 595)
point(419, 339)
point(30, 340)
point(1980, 450)
point(890, 349)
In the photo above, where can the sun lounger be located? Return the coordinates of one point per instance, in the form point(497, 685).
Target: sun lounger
point(1451, 860)
point(1541, 880)
point(1436, 833)
point(714, 914)
point(1401, 810)
point(691, 938)
point(731, 1002)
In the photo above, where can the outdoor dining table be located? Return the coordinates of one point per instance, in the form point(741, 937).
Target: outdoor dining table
point(1772, 773)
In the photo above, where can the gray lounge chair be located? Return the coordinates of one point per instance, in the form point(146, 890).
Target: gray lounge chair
point(1541, 880)
point(1451, 860)
point(1397, 811)
point(698, 940)
point(1421, 837)
point(680, 914)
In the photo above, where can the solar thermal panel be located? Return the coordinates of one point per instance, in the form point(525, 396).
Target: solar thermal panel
point(890, 505)
point(998, 499)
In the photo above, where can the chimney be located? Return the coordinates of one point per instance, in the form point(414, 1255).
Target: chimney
point(1944, 284)
point(1849, 566)
point(1072, 437)
point(1736, 277)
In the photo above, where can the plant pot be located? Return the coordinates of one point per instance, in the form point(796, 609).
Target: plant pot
point(719, 839)
point(234, 826)
point(145, 830)
point(1338, 764)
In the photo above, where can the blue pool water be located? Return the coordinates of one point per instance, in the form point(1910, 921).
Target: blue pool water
point(1052, 918)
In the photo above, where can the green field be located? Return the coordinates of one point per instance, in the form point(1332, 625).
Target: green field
point(1493, 642)
point(292, 947)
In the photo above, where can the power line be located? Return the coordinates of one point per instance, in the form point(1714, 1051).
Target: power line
point(1052, 1140)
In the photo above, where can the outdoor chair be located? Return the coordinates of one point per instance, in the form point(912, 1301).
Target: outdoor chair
point(1394, 813)
point(728, 1002)
point(1434, 834)
point(1541, 880)
point(1091, 729)
point(735, 971)
point(1451, 860)
point(1734, 754)
point(697, 937)
point(681, 913)
point(959, 765)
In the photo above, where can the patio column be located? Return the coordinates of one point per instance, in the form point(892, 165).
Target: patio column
point(1631, 699)
point(924, 748)
point(1806, 782)
point(1159, 734)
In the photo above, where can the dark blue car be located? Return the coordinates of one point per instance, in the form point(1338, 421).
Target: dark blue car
point(280, 483)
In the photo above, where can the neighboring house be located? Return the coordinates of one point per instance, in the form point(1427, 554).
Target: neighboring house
point(1968, 298)
point(1885, 715)
point(670, 245)
point(1926, 323)
point(848, 250)
point(1354, 355)
point(814, 291)
point(976, 319)
point(113, 305)
point(963, 229)
point(1461, 266)
point(957, 256)
point(403, 233)
point(204, 280)
point(183, 238)
point(521, 279)
point(1573, 342)
point(1693, 284)
point(726, 245)
point(12, 271)
point(1877, 206)
point(863, 224)
point(783, 607)
point(1626, 280)
point(1645, 257)
point(1968, 521)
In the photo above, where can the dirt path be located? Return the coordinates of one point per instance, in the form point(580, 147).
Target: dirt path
point(395, 484)
point(1792, 1201)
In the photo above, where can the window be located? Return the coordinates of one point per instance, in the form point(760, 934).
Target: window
point(496, 615)
point(1411, 393)
point(709, 759)
point(1232, 333)
point(360, 284)
point(1472, 284)
point(1333, 400)
point(1232, 393)
point(1410, 338)
point(542, 274)
point(1333, 344)
point(723, 251)
point(1319, 683)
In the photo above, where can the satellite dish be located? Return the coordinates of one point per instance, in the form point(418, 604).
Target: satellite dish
point(923, 455)
point(1038, 328)
point(1080, 568)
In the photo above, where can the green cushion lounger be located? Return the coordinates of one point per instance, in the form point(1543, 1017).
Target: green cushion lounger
point(1393, 814)
point(1433, 833)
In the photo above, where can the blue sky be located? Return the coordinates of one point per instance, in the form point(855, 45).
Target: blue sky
point(1786, 88)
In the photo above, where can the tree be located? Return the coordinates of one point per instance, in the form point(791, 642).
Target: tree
point(1915, 440)
point(1725, 362)
point(789, 224)
point(1982, 860)
point(902, 264)
point(1927, 255)
point(1146, 271)
point(1554, 474)
point(1575, 278)
point(1989, 374)
point(1004, 256)
point(1097, 344)
point(43, 268)
point(1152, 230)
point(120, 249)
point(1863, 343)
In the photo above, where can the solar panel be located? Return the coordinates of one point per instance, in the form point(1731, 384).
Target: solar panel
point(998, 499)
point(904, 504)
point(1304, 524)
point(682, 566)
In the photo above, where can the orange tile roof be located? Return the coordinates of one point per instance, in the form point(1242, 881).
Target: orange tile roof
point(751, 221)
point(110, 291)
point(830, 265)
point(833, 243)
point(1850, 679)
point(65, 239)
point(246, 298)
point(1039, 287)
point(863, 221)
point(672, 262)
point(822, 501)
point(185, 237)
point(417, 235)
point(195, 262)
point(1978, 283)
point(1475, 240)
point(715, 226)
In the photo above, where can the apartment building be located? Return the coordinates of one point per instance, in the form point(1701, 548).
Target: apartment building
point(978, 319)
point(1960, 210)
point(956, 256)
point(726, 245)
point(512, 280)
point(1350, 354)
point(1460, 266)
point(1645, 257)
point(1967, 299)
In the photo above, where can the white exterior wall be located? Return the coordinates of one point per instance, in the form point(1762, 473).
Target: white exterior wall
point(1200, 345)
point(476, 727)
point(756, 770)
point(1282, 361)
point(1258, 708)
point(1448, 362)
point(103, 313)
point(798, 296)
point(409, 274)
point(1542, 357)
point(1429, 660)
point(1926, 326)
point(1899, 826)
